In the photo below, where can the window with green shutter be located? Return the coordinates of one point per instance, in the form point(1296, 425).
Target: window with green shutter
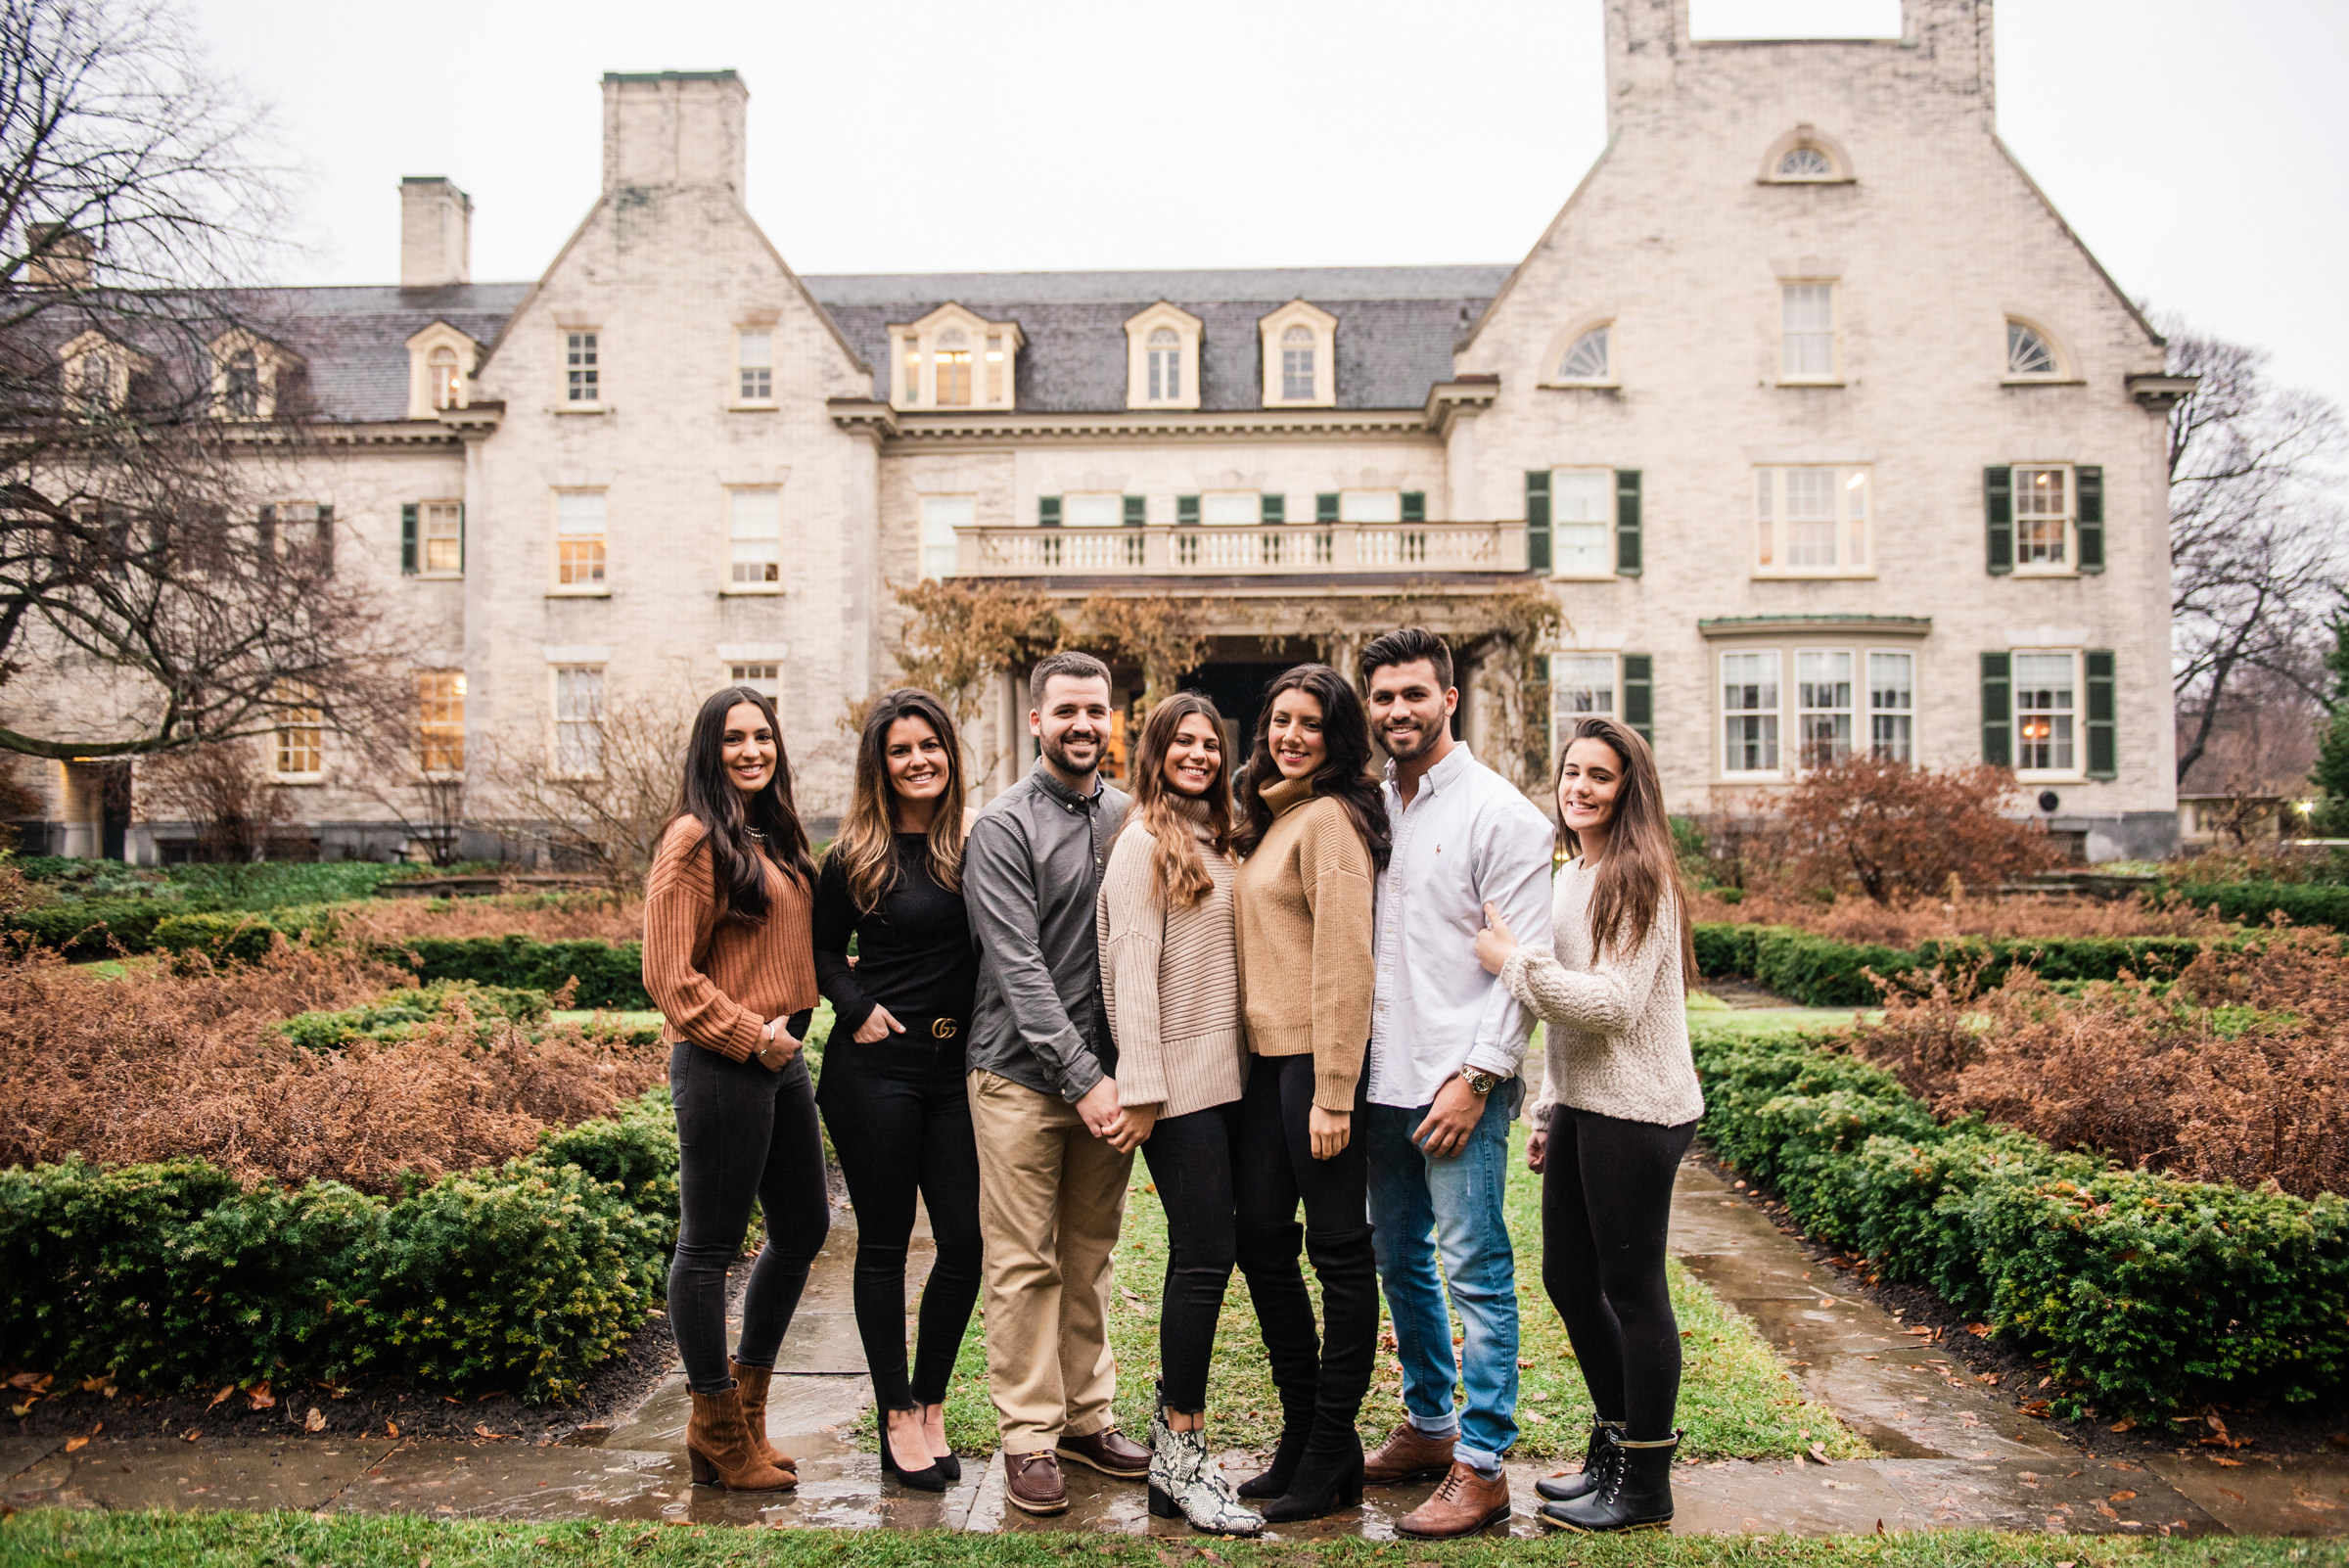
point(1640, 694)
point(326, 537)
point(264, 530)
point(2103, 737)
point(1273, 508)
point(1047, 511)
point(2088, 485)
point(1186, 511)
point(1626, 522)
point(1537, 520)
point(1998, 709)
point(1998, 517)
point(1136, 511)
point(1325, 507)
point(408, 540)
point(1414, 506)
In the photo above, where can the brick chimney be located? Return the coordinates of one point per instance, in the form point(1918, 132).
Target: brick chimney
point(435, 232)
point(674, 127)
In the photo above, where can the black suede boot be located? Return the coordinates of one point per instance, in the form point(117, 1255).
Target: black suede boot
point(1567, 1488)
point(1284, 1313)
point(1329, 1476)
point(1635, 1495)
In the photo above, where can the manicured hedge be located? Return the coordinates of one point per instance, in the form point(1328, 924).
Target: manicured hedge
point(1824, 972)
point(523, 1277)
point(400, 1014)
point(2143, 1292)
point(2307, 903)
point(611, 974)
point(87, 929)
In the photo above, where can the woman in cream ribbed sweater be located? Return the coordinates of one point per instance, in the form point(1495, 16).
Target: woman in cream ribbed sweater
point(1169, 977)
point(1618, 1107)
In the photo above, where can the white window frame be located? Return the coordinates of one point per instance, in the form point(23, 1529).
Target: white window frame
point(1563, 482)
point(298, 715)
point(422, 345)
point(1376, 508)
point(2077, 712)
point(762, 675)
point(1804, 711)
point(745, 392)
point(1876, 746)
point(1853, 523)
point(1109, 504)
point(429, 513)
point(581, 388)
point(597, 584)
point(1773, 715)
point(1809, 376)
point(432, 732)
point(226, 350)
point(938, 546)
point(569, 729)
point(1242, 509)
point(1272, 342)
point(2059, 361)
point(2067, 521)
point(1610, 690)
point(771, 580)
point(1573, 338)
point(1141, 390)
point(992, 345)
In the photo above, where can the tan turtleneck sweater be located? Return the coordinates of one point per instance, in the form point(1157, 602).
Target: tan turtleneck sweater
point(1306, 968)
point(718, 984)
point(1171, 977)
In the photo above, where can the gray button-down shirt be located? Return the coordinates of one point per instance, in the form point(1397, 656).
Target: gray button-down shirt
point(1030, 876)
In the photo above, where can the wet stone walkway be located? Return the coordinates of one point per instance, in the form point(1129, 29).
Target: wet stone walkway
point(1955, 1454)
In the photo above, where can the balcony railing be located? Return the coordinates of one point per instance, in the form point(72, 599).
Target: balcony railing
point(1223, 551)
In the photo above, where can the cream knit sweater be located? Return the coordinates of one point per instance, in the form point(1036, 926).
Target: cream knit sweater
point(1171, 980)
point(1619, 1026)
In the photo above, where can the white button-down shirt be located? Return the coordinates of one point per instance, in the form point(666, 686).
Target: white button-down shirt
point(1466, 837)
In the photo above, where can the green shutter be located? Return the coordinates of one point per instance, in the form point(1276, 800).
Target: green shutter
point(326, 537)
point(1325, 507)
point(1997, 516)
point(1136, 511)
point(2091, 517)
point(1639, 692)
point(407, 538)
point(1047, 511)
point(1273, 508)
point(2103, 739)
point(1626, 522)
point(1537, 520)
point(1186, 511)
point(1414, 506)
point(264, 530)
point(1998, 709)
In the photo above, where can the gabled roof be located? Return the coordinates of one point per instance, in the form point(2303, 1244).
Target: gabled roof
point(354, 341)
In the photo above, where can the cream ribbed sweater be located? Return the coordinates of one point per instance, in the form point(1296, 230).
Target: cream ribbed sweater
point(1171, 979)
point(1618, 1026)
point(1305, 970)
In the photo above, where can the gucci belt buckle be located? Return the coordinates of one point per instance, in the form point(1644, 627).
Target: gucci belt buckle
point(942, 1027)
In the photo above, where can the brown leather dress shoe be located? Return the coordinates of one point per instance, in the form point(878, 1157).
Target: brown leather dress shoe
point(1408, 1455)
point(1031, 1481)
point(1109, 1452)
point(1467, 1502)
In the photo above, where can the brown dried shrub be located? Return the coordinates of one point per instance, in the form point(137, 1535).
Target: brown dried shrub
point(548, 917)
point(180, 1060)
point(1904, 925)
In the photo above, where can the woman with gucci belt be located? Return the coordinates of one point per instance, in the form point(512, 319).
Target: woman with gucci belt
point(892, 1095)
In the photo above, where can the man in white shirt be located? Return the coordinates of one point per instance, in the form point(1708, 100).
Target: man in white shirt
point(1447, 1042)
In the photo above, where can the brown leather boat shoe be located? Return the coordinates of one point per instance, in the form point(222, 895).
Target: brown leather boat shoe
point(1031, 1481)
point(1109, 1452)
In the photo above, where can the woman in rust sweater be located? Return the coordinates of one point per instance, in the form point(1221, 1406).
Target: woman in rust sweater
point(728, 959)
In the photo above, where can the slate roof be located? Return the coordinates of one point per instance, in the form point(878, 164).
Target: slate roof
point(354, 340)
point(1396, 325)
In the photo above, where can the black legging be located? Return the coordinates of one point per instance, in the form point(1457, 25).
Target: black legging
point(1606, 1206)
point(1190, 1164)
point(743, 1132)
point(1273, 1168)
point(899, 1116)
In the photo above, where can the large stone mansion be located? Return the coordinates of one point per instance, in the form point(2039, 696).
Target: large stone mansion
point(1819, 427)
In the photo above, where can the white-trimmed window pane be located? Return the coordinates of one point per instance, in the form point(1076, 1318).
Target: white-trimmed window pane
point(2044, 707)
point(1370, 506)
point(441, 720)
point(1093, 511)
point(942, 515)
point(581, 368)
point(1824, 701)
point(1580, 684)
point(1810, 329)
point(579, 539)
point(1165, 354)
point(1297, 363)
point(299, 748)
point(2027, 353)
point(1230, 510)
point(1809, 517)
point(1855, 511)
point(995, 369)
point(1749, 706)
point(440, 374)
point(765, 679)
point(579, 718)
point(1582, 522)
point(443, 535)
point(755, 355)
point(1766, 526)
point(1586, 358)
point(1805, 164)
point(754, 536)
point(2042, 515)
point(1892, 705)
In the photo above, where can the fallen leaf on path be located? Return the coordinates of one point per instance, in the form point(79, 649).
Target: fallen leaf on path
point(226, 1389)
point(2124, 1424)
point(77, 1445)
point(2122, 1496)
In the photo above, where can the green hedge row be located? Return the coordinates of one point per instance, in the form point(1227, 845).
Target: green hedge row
point(84, 929)
point(166, 1276)
point(2142, 1291)
point(1823, 972)
point(611, 974)
point(400, 1014)
point(2307, 904)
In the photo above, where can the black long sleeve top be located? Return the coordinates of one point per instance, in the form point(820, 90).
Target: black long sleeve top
point(914, 954)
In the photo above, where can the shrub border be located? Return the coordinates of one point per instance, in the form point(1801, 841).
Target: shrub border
point(1825, 972)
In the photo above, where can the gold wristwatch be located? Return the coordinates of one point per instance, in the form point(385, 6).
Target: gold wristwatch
point(1482, 1082)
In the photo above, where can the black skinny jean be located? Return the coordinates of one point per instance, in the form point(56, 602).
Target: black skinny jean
point(1273, 1170)
point(899, 1116)
point(1190, 1164)
point(1606, 1205)
point(743, 1133)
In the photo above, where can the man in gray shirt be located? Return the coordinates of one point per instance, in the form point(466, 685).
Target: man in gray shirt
point(1051, 1186)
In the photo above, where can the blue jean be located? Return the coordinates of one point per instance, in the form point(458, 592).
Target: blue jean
point(1420, 1206)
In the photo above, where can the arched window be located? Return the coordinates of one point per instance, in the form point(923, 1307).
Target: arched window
point(1589, 357)
point(243, 392)
point(2028, 353)
point(954, 368)
point(1165, 365)
point(1297, 363)
point(440, 377)
point(1804, 162)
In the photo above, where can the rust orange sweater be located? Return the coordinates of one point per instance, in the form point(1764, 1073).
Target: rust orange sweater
point(717, 985)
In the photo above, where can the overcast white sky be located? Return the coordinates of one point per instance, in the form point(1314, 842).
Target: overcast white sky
point(2199, 149)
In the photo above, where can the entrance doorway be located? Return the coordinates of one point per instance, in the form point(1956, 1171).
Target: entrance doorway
point(1239, 692)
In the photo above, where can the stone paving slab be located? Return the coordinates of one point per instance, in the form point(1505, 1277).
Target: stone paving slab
point(515, 1481)
point(1773, 1497)
point(2266, 1496)
point(163, 1474)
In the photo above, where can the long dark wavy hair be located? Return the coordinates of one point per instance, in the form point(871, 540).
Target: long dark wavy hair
point(737, 875)
point(1642, 873)
point(1344, 776)
point(1177, 870)
point(866, 848)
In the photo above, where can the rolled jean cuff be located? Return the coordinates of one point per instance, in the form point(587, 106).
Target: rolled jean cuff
point(1474, 1458)
point(1440, 1426)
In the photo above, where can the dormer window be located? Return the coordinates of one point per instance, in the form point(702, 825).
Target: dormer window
point(246, 372)
point(1165, 365)
point(953, 368)
point(952, 359)
point(98, 371)
point(1300, 356)
point(441, 376)
point(1162, 358)
point(241, 394)
point(441, 361)
point(1297, 364)
point(2031, 353)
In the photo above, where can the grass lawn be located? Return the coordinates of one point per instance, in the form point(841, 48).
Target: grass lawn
point(1735, 1400)
point(221, 1539)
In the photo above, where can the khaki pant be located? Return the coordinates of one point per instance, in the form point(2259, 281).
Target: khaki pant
point(1050, 1198)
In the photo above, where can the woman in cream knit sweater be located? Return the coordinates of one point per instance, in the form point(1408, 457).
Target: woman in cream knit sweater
point(1618, 1107)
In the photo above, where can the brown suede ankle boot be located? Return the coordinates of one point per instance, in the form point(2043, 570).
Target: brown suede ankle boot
point(717, 1444)
point(752, 1381)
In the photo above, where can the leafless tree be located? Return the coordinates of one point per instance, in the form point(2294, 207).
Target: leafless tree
point(2256, 534)
point(145, 394)
point(223, 791)
point(598, 798)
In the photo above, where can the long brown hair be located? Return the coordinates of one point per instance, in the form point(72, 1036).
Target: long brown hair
point(1344, 774)
point(737, 871)
point(866, 847)
point(1640, 872)
point(1177, 870)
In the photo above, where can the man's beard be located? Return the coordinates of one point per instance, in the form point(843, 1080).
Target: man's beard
point(1056, 751)
point(1427, 736)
